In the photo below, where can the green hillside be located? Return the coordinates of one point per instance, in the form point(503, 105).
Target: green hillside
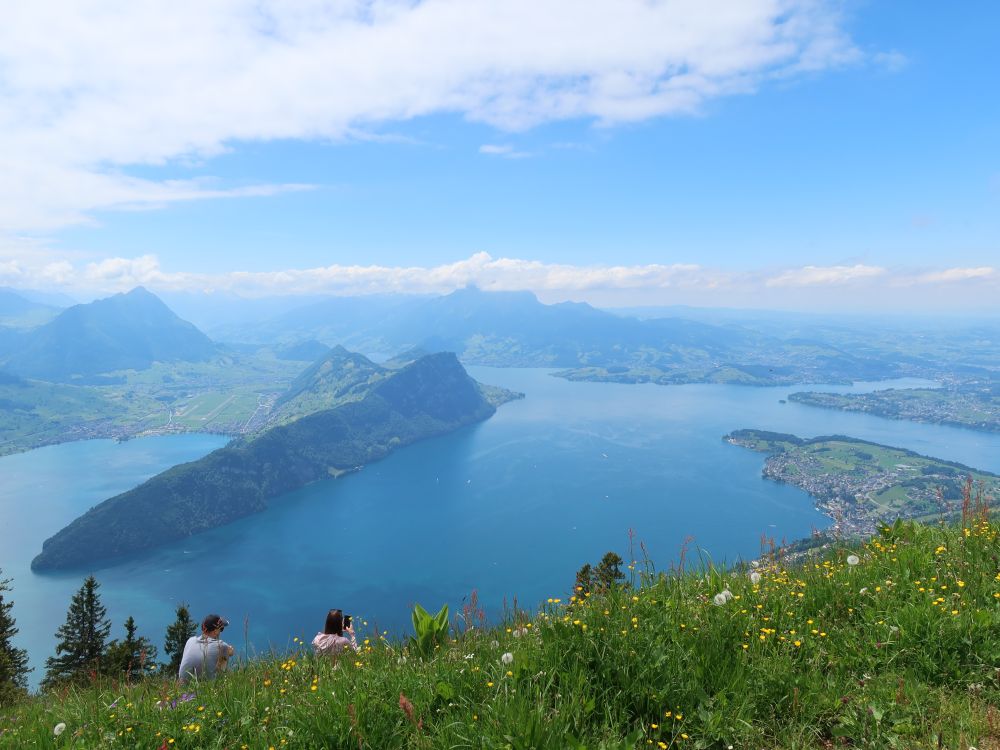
point(126, 331)
point(863, 484)
point(429, 397)
point(894, 644)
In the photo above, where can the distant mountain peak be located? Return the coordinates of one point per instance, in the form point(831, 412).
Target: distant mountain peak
point(338, 376)
point(125, 331)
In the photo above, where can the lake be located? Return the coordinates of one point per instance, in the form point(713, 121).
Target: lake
point(510, 508)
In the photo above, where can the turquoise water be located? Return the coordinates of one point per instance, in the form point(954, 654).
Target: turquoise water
point(510, 507)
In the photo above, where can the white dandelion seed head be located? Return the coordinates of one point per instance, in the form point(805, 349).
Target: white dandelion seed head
point(853, 559)
point(755, 578)
point(727, 593)
point(719, 599)
point(864, 590)
point(59, 728)
point(507, 658)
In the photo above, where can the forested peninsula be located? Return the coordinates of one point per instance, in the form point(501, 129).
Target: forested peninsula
point(431, 396)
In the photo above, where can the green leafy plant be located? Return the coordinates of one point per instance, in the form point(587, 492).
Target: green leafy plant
point(429, 630)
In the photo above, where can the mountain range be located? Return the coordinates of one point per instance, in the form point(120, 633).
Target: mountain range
point(126, 331)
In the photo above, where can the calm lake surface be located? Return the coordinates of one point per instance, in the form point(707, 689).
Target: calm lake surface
point(510, 507)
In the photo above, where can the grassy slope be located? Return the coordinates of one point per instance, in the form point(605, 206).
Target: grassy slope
point(900, 650)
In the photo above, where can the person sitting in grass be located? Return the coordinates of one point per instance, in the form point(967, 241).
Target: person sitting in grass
point(207, 654)
point(332, 640)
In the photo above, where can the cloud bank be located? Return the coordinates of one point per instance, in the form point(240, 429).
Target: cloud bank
point(90, 89)
point(843, 287)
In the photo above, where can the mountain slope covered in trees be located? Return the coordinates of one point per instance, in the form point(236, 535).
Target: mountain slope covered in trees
point(429, 397)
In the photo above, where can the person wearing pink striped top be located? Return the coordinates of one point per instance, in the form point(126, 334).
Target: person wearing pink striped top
point(333, 639)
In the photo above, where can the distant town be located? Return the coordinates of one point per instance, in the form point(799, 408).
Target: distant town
point(974, 405)
point(862, 485)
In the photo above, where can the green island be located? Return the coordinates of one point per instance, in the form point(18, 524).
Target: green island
point(346, 413)
point(973, 405)
point(862, 485)
point(891, 643)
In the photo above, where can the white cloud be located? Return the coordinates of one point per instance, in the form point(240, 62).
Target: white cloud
point(824, 275)
point(498, 274)
point(602, 284)
point(91, 88)
point(952, 275)
point(506, 151)
point(893, 61)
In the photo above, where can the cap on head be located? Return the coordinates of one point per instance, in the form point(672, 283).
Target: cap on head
point(214, 622)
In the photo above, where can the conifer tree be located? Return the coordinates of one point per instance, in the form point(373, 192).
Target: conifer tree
point(178, 633)
point(132, 657)
point(13, 661)
point(608, 573)
point(82, 638)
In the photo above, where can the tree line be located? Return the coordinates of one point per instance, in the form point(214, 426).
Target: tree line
point(83, 651)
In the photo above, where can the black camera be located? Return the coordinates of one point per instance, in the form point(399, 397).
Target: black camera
point(347, 621)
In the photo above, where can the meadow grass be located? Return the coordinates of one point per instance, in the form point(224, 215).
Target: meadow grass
point(900, 650)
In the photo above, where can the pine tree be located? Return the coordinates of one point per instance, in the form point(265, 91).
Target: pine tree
point(13, 661)
point(132, 658)
point(608, 573)
point(177, 635)
point(82, 638)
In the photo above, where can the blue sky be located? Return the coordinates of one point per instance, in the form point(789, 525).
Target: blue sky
point(864, 167)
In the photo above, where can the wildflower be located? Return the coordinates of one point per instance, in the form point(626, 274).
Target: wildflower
point(59, 728)
point(507, 658)
point(853, 559)
point(406, 706)
point(755, 578)
point(864, 590)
